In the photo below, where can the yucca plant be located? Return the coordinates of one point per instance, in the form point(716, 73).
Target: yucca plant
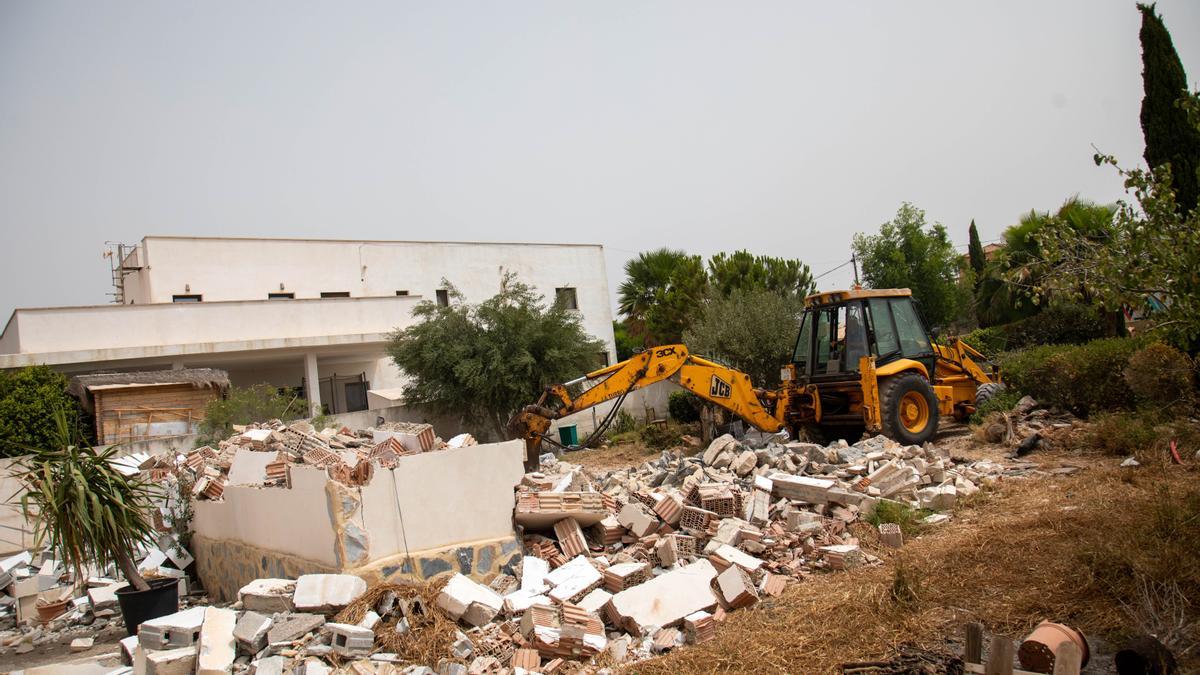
point(82, 507)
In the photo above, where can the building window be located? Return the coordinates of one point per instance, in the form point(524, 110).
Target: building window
point(401, 292)
point(186, 298)
point(280, 296)
point(335, 294)
point(565, 298)
point(443, 297)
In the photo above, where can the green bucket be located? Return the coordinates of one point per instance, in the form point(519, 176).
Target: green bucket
point(568, 435)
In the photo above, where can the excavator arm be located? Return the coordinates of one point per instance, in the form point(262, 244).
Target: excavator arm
point(713, 382)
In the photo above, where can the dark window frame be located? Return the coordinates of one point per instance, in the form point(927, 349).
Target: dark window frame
point(183, 298)
point(330, 295)
point(443, 297)
point(281, 296)
point(567, 292)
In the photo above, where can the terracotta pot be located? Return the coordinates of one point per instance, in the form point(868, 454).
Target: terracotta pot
point(1037, 651)
point(51, 610)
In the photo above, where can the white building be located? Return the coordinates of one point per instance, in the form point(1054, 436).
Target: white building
point(291, 312)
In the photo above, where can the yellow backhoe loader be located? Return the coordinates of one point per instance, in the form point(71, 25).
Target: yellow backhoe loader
point(863, 360)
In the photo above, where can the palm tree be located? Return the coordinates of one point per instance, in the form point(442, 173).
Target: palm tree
point(661, 291)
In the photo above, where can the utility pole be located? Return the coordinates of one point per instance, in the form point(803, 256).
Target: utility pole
point(854, 262)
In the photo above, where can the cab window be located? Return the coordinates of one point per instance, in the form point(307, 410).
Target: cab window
point(886, 341)
point(825, 327)
point(914, 341)
point(804, 344)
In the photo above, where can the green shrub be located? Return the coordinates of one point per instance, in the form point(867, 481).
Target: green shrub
point(1057, 324)
point(1080, 378)
point(661, 436)
point(623, 424)
point(909, 519)
point(684, 406)
point(1160, 377)
point(1001, 402)
point(28, 399)
point(988, 341)
point(1146, 435)
point(245, 405)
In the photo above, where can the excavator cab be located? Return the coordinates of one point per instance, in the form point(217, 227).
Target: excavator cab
point(864, 360)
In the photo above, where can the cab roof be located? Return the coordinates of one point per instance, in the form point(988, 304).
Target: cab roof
point(835, 297)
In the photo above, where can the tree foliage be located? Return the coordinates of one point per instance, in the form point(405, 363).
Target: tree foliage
point(753, 331)
point(248, 405)
point(28, 399)
point(975, 251)
point(82, 508)
point(745, 271)
point(1170, 139)
point(1015, 283)
point(626, 344)
point(908, 253)
point(660, 294)
point(1146, 256)
point(484, 362)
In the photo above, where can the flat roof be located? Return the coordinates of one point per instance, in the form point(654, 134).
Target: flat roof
point(368, 241)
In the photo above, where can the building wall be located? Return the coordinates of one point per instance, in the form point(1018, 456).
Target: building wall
point(222, 269)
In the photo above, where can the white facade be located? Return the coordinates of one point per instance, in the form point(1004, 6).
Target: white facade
point(204, 302)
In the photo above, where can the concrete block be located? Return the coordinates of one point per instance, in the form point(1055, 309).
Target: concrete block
point(293, 627)
point(218, 649)
point(744, 463)
point(326, 593)
point(726, 555)
point(268, 595)
point(462, 598)
point(181, 661)
point(251, 632)
point(181, 629)
point(82, 644)
point(801, 488)
point(595, 600)
point(351, 641)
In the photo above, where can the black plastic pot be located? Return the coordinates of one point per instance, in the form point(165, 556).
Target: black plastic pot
point(139, 606)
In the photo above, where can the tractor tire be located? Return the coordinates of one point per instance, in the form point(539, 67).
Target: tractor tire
point(987, 391)
point(909, 408)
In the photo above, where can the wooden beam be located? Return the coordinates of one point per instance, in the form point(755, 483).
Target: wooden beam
point(1067, 659)
point(974, 651)
point(1000, 657)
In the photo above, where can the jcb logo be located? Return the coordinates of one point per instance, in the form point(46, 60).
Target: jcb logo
point(719, 388)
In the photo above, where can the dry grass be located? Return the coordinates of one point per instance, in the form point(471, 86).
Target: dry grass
point(431, 632)
point(1068, 548)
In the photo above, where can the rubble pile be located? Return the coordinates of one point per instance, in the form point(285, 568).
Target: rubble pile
point(261, 454)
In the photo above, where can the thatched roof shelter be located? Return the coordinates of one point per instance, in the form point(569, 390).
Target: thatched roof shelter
point(199, 378)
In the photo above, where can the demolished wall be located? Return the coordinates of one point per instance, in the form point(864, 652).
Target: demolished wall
point(434, 512)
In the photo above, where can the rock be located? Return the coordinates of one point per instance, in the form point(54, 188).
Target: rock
point(82, 644)
point(251, 632)
point(180, 661)
point(1130, 462)
point(1025, 405)
point(465, 599)
point(744, 463)
point(719, 445)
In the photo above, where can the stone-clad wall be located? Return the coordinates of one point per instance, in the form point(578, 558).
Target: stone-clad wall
point(226, 566)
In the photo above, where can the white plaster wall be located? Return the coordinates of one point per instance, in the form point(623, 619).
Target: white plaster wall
point(442, 498)
point(293, 521)
point(99, 327)
point(248, 269)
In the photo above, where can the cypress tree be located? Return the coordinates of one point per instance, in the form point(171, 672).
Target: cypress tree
point(975, 252)
point(1169, 137)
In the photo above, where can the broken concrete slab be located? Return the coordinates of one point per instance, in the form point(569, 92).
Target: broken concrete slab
point(251, 632)
point(533, 573)
point(249, 467)
point(666, 599)
point(268, 595)
point(636, 518)
point(294, 626)
point(218, 649)
point(573, 580)
point(469, 601)
point(326, 593)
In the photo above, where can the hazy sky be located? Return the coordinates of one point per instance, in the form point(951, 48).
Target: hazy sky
point(782, 128)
